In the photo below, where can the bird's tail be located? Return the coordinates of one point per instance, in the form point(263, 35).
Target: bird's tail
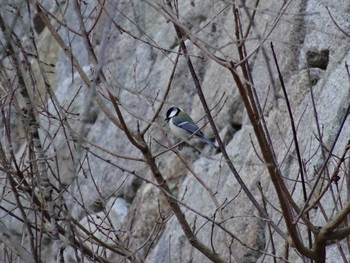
point(206, 140)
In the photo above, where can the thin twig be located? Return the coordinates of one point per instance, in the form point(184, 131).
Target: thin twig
point(336, 24)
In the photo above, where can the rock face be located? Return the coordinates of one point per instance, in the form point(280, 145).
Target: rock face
point(102, 178)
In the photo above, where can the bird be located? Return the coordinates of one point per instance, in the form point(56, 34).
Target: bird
point(182, 125)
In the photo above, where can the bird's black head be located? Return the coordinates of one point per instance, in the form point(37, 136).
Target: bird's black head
point(172, 112)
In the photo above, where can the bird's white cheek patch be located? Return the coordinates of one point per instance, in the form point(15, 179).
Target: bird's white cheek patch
point(172, 114)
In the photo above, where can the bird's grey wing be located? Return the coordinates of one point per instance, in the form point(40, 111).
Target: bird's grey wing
point(189, 126)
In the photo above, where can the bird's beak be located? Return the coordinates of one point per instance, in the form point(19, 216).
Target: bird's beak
point(166, 119)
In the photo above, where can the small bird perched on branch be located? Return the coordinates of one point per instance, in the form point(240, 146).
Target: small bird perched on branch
point(182, 125)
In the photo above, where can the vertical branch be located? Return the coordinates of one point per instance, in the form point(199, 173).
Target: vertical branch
point(291, 117)
point(13, 183)
point(285, 199)
point(347, 174)
point(273, 249)
point(295, 138)
point(33, 126)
